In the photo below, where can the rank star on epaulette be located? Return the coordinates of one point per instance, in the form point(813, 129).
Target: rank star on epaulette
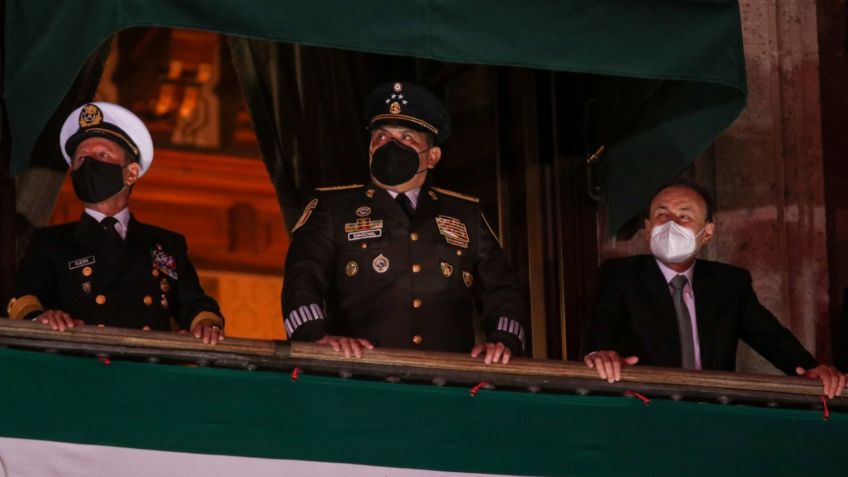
point(453, 230)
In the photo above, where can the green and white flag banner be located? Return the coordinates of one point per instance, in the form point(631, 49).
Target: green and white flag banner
point(32, 458)
point(69, 416)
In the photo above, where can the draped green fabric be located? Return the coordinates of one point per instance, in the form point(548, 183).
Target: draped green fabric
point(268, 415)
point(690, 49)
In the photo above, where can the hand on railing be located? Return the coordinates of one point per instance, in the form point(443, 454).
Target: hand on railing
point(57, 319)
point(608, 364)
point(350, 346)
point(833, 381)
point(210, 334)
point(494, 352)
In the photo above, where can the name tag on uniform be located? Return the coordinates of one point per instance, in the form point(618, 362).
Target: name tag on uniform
point(81, 262)
point(364, 228)
point(353, 236)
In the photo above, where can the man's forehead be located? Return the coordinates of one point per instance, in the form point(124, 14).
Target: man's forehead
point(394, 128)
point(678, 197)
point(98, 141)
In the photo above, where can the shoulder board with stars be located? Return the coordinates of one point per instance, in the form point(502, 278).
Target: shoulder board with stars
point(456, 194)
point(341, 187)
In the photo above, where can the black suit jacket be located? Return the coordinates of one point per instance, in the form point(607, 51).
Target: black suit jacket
point(634, 315)
point(143, 281)
point(398, 282)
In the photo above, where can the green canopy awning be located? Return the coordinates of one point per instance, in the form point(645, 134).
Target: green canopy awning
point(692, 49)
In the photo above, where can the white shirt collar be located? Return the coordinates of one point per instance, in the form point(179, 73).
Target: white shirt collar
point(123, 218)
point(669, 274)
point(412, 194)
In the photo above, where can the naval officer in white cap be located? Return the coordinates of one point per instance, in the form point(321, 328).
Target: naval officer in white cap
point(108, 268)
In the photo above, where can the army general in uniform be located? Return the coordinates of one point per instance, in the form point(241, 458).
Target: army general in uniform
point(398, 263)
point(108, 268)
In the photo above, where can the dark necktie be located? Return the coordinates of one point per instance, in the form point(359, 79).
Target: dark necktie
point(406, 205)
point(684, 323)
point(108, 224)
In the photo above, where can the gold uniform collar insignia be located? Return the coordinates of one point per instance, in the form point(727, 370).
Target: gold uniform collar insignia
point(306, 213)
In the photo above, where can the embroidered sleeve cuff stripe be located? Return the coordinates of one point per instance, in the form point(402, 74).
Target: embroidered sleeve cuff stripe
point(206, 318)
point(20, 307)
point(302, 315)
point(513, 327)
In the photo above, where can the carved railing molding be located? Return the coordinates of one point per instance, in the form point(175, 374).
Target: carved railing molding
point(432, 368)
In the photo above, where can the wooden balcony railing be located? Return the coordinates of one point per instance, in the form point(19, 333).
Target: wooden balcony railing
point(431, 368)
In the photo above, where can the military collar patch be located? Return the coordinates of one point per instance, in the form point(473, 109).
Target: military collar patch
point(306, 213)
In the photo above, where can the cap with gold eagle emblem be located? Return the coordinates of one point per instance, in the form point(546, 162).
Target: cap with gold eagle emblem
point(109, 121)
point(408, 104)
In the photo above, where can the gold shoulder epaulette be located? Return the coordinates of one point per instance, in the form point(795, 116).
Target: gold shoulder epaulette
point(341, 187)
point(456, 194)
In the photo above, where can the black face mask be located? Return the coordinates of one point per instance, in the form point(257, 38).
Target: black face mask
point(393, 164)
point(95, 181)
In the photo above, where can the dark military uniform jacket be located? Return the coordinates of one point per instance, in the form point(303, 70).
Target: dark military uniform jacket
point(358, 266)
point(143, 281)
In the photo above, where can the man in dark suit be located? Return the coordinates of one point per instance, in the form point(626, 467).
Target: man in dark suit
point(108, 268)
point(669, 309)
point(398, 263)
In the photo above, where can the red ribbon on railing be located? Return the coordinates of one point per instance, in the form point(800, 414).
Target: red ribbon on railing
point(638, 396)
point(477, 387)
point(295, 373)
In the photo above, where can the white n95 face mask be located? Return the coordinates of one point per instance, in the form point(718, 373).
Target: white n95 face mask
point(674, 243)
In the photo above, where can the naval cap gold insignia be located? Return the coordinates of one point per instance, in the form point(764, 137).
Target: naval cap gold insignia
point(90, 115)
